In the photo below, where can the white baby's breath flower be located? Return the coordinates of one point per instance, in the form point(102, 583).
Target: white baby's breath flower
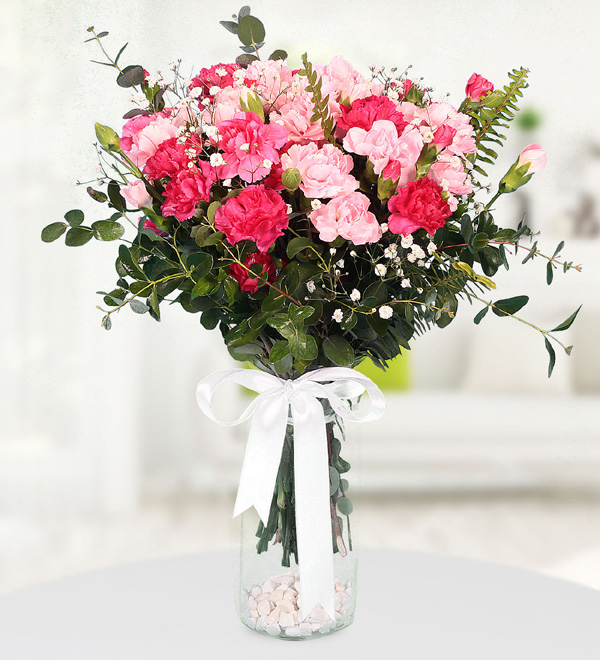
point(245, 147)
point(217, 159)
point(427, 136)
point(391, 251)
point(289, 209)
point(267, 163)
point(386, 312)
point(420, 263)
point(172, 66)
point(215, 89)
point(340, 263)
point(338, 315)
point(187, 82)
point(396, 260)
point(355, 295)
point(332, 251)
point(393, 94)
point(384, 227)
point(315, 204)
point(227, 183)
point(337, 272)
point(406, 241)
point(405, 284)
point(419, 290)
point(411, 257)
point(206, 102)
point(380, 270)
point(221, 71)
point(353, 253)
point(431, 247)
point(418, 251)
point(210, 131)
point(310, 286)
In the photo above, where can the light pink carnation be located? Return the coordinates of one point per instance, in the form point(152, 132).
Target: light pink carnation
point(247, 143)
point(142, 136)
point(382, 144)
point(347, 216)
point(273, 80)
point(344, 83)
point(324, 172)
point(535, 156)
point(136, 195)
point(226, 106)
point(294, 116)
point(449, 173)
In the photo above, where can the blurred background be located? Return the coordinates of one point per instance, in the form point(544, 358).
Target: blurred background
point(104, 455)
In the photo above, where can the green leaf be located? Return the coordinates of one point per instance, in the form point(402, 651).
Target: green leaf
point(53, 231)
point(338, 350)
point(560, 246)
point(279, 350)
point(334, 480)
point(479, 316)
point(284, 365)
point(205, 286)
point(106, 322)
point(77, 236)
point(131, 76)
point(129, 264)
point(245, 60)
point(250, 30)
point(552, 355)
point(508, 306)
point(230, 26)
point(74, 217)
point(114, 195)
point(278, 55)
point(344, 506)
point(303, 347)
point(200, 264)
point(107, 230)
point(138, 306)
point(154, 304)
point(565, 325)
point(549, 273)
point(96, 195)
point(297, 245)
point(480, 240)
point(244, 11)
point(120, 52)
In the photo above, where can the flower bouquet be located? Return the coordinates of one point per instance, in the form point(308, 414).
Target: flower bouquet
point(317, 217)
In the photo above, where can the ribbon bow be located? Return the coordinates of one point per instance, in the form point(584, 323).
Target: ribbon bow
point(311, 465)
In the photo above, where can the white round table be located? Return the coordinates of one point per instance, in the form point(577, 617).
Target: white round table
point(181, 608)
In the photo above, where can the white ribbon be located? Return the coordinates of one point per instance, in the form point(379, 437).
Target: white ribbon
point(311, 464)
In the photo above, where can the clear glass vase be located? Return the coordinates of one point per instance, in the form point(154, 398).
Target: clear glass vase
point(268, 589)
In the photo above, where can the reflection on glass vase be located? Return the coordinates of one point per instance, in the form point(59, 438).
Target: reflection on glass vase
point(269, 592)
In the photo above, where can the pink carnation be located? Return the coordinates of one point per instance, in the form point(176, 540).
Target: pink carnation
point(535, 156)
point(136, 195)
point(272, 80)
point(247, 143)
point(347, 216)
point(219, 75)
point(256, 214)
point(142, 135)
point(418, 205)
point(295, 116)
point(449, 173)
point(443, 137)
point(344, 83)
point(477, 87)
point(241, 274)
point(189, 187)
point(381, 144)
point(324, 172)
point(363, 112)
point(168, 160)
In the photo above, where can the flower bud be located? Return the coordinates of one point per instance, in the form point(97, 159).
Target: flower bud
point(477, 87)
point(291, 179)
point(108, 138)
point(532, 159)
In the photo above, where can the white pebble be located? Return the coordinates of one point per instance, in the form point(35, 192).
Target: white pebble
point(273, 629)
point(297, 586)
point(293, 631)
point(276, 595)
point(253, 613)
point(264, 608)
point(305, 629)
point(286, 620)
point(274, 616)
point(261, 623)
point(251, 603)
point(268, 587)
point(339, 587)
point(256, 592)
point(266, 596)
point(289, 595)
point(288, 579)
point(286, 606)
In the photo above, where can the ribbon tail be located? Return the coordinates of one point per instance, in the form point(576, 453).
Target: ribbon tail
point(313, 514)
point(263, 455)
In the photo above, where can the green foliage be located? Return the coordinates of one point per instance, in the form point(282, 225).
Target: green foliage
point(320, 103)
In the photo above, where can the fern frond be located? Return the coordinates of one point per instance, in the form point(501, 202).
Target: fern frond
point(496, 111)
point(320, 104)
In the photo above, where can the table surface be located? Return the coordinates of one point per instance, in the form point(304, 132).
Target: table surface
point(411, 606)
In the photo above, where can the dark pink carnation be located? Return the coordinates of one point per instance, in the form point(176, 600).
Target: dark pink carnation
point(477, 87)
point(363, 112)
point(256, 214)
point(169, 160)
point(148, 224)
point(419, 205)
point(250, 146)
point(189, 187)
point(444, 136)
point(247, 282)
point(219, 75)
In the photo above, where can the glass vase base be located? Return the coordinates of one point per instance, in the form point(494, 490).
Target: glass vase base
point(273, 609)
